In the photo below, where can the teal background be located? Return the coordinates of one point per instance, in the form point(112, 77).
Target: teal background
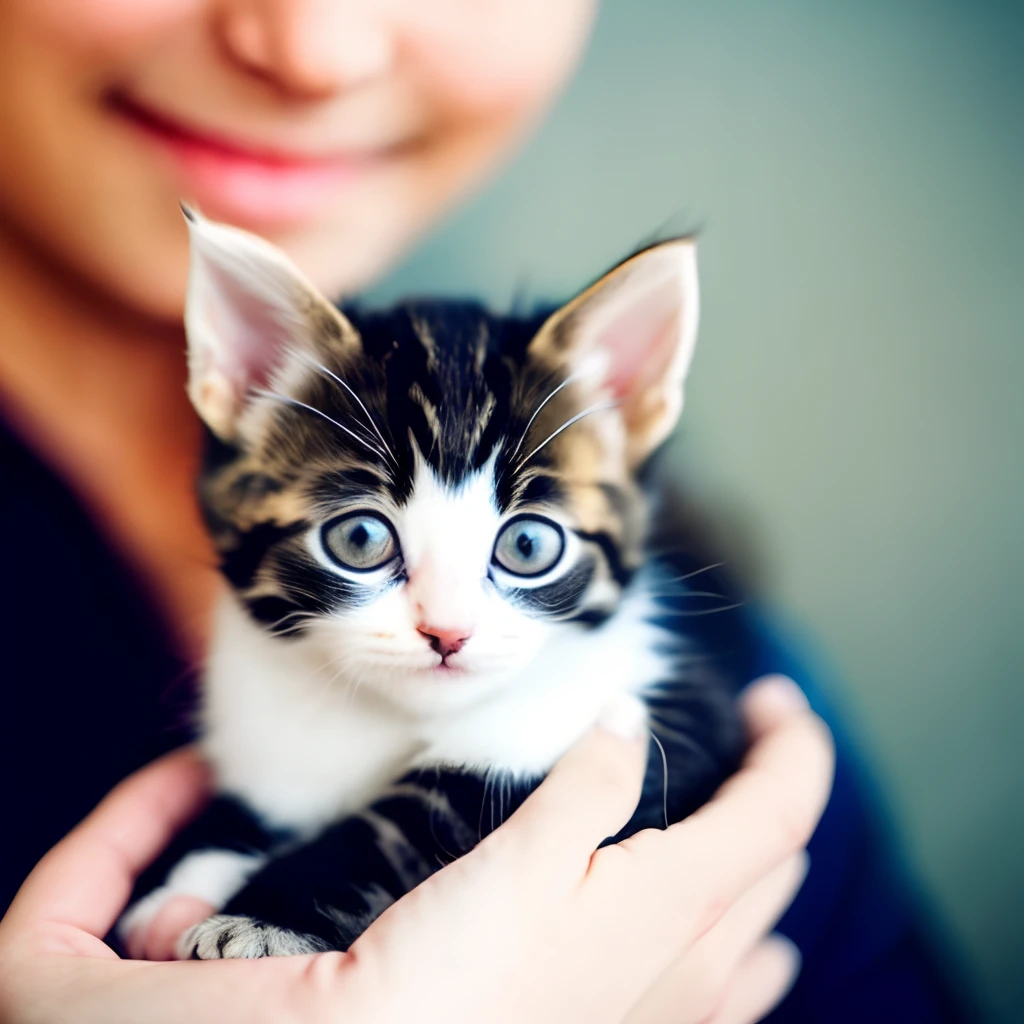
point(855, 412)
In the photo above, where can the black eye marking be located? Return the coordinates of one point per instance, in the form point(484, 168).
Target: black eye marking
point(591, 617)
point(559, 600)
point(529, 545)
point(360, 541)
point(277, 614)
point(240, 563)
point(611, 553)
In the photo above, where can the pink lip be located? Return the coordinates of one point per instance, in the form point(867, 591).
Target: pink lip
point(247, 185)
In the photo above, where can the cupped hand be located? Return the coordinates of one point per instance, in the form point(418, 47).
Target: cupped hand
point(669, 925)
point(531, 925)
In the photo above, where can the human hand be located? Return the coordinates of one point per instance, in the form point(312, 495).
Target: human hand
point(54, 965)
point(666, 926)
point(530, 925)
point(737, 971)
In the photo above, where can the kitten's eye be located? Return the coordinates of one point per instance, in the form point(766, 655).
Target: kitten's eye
point(360, 541)
point(529, 546)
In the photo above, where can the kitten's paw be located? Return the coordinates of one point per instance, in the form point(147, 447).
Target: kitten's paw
point(233, 937)
point(157, 939)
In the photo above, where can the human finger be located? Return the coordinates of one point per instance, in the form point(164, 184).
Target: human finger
point(48, 989)
point(158, 939)
point(759, 817)
point(87, 878)
point(694, 985)
point(588, 795)
point(760, 983)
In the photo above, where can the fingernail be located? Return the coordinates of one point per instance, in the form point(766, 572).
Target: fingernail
point(779, 691)
point(625, 717)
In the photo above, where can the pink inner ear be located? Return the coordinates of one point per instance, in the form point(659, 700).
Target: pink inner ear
point(251, 333)
point(642, 342)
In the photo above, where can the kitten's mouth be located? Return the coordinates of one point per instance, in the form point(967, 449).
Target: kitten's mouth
point(446, 669)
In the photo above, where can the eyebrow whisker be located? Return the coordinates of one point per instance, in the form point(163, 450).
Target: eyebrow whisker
point(596, 407)
point(366, 412)
point(317, 412)
point(526, 430)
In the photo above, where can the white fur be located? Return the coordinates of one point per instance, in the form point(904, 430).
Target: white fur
point(282, 734)
point(211, 875)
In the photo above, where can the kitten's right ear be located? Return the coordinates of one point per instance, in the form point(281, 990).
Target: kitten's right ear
point(248, 312)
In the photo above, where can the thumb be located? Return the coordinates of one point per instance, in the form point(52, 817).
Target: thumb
point(589, 794)
point(86, 879)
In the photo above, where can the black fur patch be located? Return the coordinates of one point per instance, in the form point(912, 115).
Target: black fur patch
point(610, 549)
point(240, 563)
point(560, 599)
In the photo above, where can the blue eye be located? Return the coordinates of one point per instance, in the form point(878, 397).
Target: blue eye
point(528, 546)
point(360, 541)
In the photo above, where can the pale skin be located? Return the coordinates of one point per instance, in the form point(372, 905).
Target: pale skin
point(415, 102)
point(531, 925)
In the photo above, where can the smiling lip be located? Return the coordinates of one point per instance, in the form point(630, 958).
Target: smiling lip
point(246, 184)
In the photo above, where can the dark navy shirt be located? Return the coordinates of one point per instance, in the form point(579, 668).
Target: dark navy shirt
point(92, 690)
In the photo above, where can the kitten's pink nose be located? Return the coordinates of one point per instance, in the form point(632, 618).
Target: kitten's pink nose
point(445, 641)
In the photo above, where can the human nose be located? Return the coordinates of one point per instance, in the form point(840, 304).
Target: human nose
point(308, 48)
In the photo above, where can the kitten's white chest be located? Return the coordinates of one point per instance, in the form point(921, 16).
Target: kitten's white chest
point(295, 744)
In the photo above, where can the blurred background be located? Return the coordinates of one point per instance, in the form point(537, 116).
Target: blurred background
point(854, 412)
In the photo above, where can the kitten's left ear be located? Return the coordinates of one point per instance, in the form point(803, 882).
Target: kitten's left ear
point(249, 315)
point(633, 332)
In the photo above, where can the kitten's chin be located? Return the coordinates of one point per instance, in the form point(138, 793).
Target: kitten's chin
point(399, 667)
point(439, 689)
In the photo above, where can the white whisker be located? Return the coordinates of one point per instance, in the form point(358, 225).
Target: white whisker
point(483, 805)
point(664, 777)
point(299, 618)
point(366, 412)
point(526, 430)
point(309, 408)
point(706, 611)
point(431, 815)
point(596, 407)
point(696, 572)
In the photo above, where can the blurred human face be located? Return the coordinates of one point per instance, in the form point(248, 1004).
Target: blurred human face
point(337, 128)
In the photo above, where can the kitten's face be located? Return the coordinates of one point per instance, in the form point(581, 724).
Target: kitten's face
point(429, 496)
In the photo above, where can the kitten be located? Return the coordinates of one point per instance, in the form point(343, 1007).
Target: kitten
point(434, 530)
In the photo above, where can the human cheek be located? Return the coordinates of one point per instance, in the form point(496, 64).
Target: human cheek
point(481, 57)
point(104, 27)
